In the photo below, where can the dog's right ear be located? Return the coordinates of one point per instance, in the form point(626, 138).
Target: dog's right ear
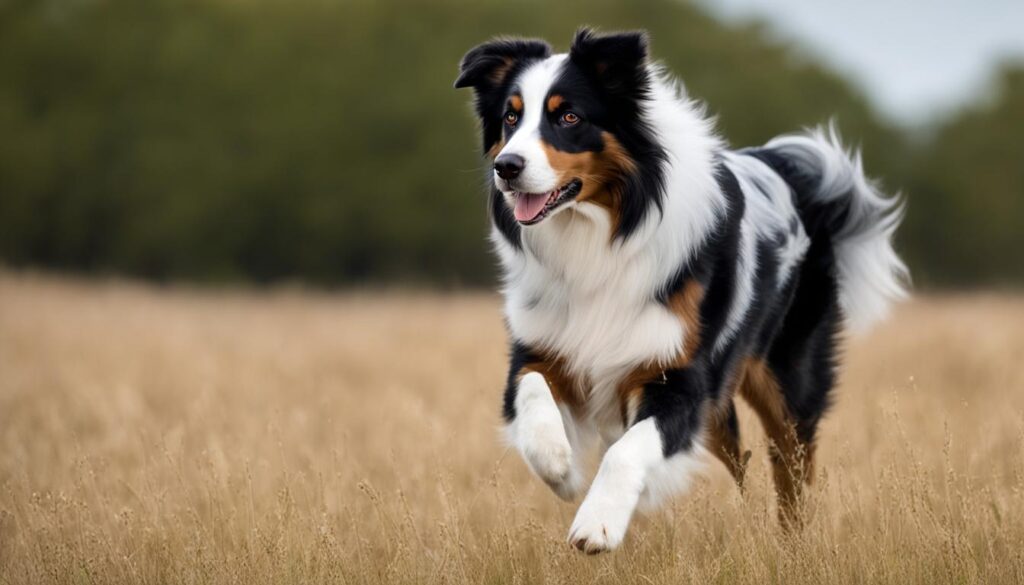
point(489, 65)
point(616, 61)
point(488, 69)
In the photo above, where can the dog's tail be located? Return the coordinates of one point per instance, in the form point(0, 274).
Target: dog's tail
point(836, 199)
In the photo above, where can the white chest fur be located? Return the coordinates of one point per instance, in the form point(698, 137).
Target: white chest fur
point(590, 301)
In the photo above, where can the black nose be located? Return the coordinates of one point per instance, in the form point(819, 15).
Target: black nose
point(508, 166)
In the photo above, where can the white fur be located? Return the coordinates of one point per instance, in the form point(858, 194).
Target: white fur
point(871, 275)
point(632, 468)
point(540, 437)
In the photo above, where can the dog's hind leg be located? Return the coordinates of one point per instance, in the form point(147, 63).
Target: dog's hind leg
point(791, 459)
point(724, 441)
point(790, 382)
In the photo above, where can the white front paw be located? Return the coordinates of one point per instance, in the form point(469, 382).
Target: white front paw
point(539, 434)
point(602, 520)
point(549, 455)
point(600, 525)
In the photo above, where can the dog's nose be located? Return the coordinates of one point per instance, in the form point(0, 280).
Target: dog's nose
point(508, 166)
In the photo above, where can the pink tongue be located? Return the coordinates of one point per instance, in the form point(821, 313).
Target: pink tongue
point(529, 205)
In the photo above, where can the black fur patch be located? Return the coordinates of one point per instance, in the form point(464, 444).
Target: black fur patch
point(504, 220)
point(803, 353)
point(677, 405)
point(519, 356)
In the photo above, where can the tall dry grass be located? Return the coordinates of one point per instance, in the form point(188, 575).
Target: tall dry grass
point(152, 436)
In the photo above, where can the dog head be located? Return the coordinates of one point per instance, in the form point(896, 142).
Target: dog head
point(567, 130)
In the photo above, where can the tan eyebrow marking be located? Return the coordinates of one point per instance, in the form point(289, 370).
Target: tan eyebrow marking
point(554, 101)
point(516, 102)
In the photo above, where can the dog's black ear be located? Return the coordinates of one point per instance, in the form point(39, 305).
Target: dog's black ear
point(488, 69)
point(617, 62)
point(488, 65)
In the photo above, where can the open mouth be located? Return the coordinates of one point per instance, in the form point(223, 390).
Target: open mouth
point(530, 208)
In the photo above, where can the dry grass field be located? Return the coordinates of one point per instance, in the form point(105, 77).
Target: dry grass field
point(181, 436)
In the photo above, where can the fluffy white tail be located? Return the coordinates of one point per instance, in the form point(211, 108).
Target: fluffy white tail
point(860, 219)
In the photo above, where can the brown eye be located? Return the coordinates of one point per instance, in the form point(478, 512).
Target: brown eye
point(570, 118)
point(511, 118)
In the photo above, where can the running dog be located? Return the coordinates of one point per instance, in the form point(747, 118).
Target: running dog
point(651, 275)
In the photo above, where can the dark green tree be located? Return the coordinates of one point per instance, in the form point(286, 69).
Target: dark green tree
point(966, 220)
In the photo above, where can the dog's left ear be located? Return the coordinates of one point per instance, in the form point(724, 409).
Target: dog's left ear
point(617, 62)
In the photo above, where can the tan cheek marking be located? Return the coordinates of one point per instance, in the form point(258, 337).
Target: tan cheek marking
point(615, 154)
point(606, 191)
point(600, 172)
point(554, 101)
point(569, 165)
point(517, 103)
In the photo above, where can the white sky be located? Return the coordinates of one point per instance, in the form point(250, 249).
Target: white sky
point(914, 58)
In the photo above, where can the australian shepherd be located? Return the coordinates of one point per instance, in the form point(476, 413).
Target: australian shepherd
point(651, 274)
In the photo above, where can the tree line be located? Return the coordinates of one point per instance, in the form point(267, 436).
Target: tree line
point(216, 140)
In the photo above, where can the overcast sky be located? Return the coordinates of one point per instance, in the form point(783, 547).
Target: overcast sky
point(914, 58)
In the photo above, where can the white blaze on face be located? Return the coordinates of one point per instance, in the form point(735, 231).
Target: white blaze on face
point(533, 84)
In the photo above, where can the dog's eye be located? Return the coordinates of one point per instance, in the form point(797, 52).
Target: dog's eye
point(511, 118)
point(569, 119)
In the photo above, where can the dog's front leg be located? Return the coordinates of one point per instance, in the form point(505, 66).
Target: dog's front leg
point(655, 457)
point(536, 429)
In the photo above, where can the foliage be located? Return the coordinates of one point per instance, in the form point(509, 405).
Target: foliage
point(263, 140)
point(967, 210)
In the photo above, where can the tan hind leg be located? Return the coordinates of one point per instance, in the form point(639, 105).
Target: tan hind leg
point(724, 441)
point(792, 461)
